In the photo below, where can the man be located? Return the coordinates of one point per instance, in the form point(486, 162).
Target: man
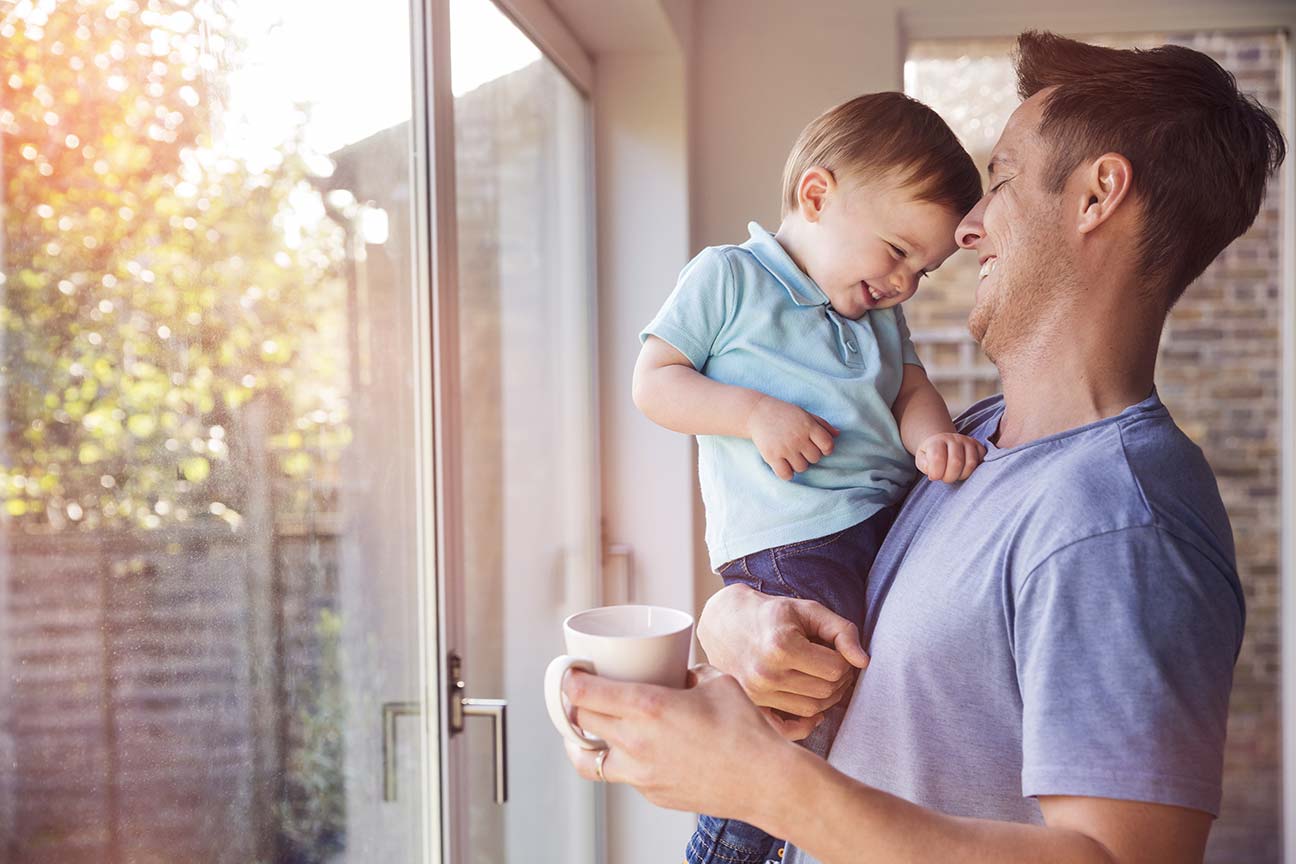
point(1052, 641)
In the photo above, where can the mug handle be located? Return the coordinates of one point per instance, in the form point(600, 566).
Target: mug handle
point(559, 713)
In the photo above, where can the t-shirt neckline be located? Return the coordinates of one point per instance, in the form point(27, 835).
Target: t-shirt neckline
point(991, 428)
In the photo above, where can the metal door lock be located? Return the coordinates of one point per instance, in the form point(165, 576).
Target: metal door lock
point(462, 707)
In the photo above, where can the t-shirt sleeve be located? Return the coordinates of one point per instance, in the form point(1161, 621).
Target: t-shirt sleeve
point(1125, 645)
point(908, 354)
point(696, 311)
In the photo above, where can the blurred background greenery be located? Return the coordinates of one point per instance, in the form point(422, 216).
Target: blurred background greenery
point(155, 282)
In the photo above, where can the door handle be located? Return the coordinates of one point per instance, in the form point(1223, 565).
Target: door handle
point(391, 711)
point(496, 709)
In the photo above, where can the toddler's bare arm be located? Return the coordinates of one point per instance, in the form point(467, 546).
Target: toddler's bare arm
point(671, 393)
point(928, 433)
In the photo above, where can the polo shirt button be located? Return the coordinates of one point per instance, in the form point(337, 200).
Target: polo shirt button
point(851, 346)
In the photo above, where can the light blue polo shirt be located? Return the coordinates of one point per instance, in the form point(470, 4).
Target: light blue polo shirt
point(748, 316)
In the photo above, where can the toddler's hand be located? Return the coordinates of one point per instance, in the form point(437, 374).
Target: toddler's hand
point(789, 439)
point(949, 456)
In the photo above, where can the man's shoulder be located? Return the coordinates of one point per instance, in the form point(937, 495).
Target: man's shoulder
point(1165, 481)
point(1177, 483)
point(1136, 470)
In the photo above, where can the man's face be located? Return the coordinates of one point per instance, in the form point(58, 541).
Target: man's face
point(1017, 231)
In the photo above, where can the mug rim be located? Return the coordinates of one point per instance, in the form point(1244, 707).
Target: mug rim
point(685, 621)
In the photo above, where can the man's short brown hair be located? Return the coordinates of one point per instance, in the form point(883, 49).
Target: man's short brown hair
point(886, 135)
point(1201, 151)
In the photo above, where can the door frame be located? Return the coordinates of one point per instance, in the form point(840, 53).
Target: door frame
point(441, 576)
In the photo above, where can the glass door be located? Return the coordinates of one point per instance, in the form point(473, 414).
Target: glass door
point(212, 503)
point(525, 454)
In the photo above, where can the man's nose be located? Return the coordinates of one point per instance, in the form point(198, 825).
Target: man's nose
point(970, 231)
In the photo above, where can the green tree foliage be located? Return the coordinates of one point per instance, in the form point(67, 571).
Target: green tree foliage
point(154, 283)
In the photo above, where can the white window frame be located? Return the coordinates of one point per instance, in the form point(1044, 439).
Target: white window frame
point(440, 561)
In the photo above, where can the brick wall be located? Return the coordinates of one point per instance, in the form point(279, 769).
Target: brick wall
point(1218, 373)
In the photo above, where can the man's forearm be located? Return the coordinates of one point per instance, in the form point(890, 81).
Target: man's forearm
point(841, 821)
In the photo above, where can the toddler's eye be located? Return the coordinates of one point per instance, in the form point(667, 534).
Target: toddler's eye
point(900, 253)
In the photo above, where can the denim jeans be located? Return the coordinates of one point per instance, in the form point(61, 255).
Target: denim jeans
point(831, 570)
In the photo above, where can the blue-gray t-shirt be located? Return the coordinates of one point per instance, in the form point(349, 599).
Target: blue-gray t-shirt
point(1064, 622)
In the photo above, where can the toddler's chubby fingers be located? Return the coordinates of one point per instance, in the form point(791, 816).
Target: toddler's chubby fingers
point(937, 457)
point(973, 453)
point(954, 461)
point(782, 469)
point(833, 430)
point(821, 439)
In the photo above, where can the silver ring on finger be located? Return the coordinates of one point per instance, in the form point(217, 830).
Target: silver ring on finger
point(598, 764)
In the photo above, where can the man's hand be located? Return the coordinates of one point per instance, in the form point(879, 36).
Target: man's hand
point(949, 457)
point(789, 439)
point(704, 749)
point(777, 648)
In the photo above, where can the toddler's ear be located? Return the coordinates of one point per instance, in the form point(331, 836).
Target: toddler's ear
point(813, 189)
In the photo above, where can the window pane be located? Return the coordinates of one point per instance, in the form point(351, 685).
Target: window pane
point(206, 549)
point(526, 307)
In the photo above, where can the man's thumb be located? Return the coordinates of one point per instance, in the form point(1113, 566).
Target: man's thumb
point(825, 626)
point(848, 645)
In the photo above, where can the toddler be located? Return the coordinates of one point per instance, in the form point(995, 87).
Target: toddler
point(788, 357)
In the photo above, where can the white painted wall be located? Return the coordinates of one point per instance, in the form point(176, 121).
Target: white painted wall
point(641, 150)
point(765, 68)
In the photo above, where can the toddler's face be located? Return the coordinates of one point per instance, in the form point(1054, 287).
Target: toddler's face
point(873, 242)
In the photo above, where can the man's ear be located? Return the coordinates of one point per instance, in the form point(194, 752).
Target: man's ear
point(1107, 182)
point(813, 189)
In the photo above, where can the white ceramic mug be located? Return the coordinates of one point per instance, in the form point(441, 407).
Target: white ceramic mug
point(645, 644)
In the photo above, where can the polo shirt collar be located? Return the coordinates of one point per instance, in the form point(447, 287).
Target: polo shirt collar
point(801, 288)
point(774, 258)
